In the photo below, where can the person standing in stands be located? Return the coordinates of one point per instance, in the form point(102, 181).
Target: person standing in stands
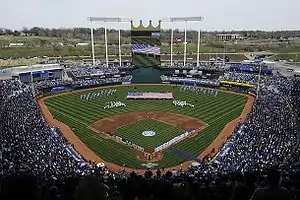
point(273, 191)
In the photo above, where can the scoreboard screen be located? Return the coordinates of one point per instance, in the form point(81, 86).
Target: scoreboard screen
point(144, 34)
point(155, 34)
point(145, 48)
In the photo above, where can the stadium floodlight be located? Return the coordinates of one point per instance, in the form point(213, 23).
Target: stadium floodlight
point(186, 20)
point(104, 19)
point(107, 20)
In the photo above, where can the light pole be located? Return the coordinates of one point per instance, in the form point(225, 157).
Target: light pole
point(93, 48)
point(184, 51)
point(186, 20)
point(224, 51)
point(106, 47)
point(120, 52)
point(107, 20)
point(172, 39)
point(198, 46)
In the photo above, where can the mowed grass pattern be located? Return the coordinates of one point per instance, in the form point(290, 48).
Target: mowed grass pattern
point(215, 111)
point(133, 133)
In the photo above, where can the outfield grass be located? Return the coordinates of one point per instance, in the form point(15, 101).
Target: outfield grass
point(214, 111)
point(133, 133)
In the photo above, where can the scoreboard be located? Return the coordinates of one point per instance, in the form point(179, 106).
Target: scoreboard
point(145, 45)
point(145, 34)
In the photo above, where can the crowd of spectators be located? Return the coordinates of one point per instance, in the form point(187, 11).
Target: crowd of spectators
point(295, 95)
point(52, 83)
point(27, 142)
point(204, 65)
point(269, 134)
point(192, 81)
point(36, 165)
point(100, 81)
point(102, 64)
point(87, 75)
point(89, 71)
point(254, 66)
point(240, 77)
point(40, 85)
point(100, 68)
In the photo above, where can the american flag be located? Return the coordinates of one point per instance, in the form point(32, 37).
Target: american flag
point(150, 95)
point(144, 48)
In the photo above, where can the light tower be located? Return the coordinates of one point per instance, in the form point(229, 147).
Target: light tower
point(107, 20)
point(186, 20)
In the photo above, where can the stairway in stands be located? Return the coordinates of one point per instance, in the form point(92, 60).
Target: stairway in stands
point(184, 154)
point(70, 75)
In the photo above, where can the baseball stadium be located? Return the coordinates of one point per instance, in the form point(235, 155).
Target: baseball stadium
point(200, 125)
point(153, 125)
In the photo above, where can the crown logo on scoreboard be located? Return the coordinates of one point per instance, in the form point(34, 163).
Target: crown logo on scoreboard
point(141, 27)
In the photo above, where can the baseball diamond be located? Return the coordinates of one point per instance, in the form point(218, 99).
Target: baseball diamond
point(91, 123)
point(164, 133)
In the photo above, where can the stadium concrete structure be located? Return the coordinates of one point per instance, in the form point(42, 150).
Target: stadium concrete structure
point(39, 72)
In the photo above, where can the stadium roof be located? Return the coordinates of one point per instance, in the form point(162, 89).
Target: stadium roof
point(33, 68)
point(297, 71)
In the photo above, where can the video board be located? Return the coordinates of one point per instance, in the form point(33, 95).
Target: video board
point(145, 45)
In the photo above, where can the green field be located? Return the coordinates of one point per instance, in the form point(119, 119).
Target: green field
point(214, 111)
point(53, 51)
point(133, 133)
point(65, 48)
point(143, 61)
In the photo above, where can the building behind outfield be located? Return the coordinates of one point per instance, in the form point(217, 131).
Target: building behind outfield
point(34, 73)
point(229, 36)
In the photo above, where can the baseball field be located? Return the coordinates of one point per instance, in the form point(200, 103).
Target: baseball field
point(160, 119)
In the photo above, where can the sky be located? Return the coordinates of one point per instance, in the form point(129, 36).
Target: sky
point(218, 15)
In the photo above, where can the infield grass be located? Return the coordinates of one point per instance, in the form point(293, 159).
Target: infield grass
point(163, 133)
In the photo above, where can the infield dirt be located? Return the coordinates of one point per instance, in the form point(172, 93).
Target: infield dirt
point(111, 124)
